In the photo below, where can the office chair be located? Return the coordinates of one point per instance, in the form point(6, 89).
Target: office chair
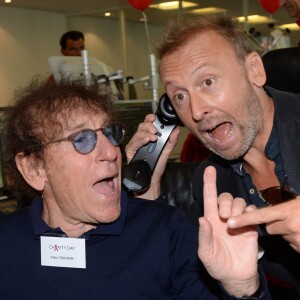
point(283, 69)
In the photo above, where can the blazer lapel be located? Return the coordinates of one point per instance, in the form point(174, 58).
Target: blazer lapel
point(289, 136)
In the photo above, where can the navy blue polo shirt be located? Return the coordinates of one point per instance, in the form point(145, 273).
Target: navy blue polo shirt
point(40, 227)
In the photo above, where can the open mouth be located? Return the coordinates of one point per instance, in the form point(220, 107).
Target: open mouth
point(222, 132)
point(107, 186)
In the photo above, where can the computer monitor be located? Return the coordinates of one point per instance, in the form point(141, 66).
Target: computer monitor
point(71, 67)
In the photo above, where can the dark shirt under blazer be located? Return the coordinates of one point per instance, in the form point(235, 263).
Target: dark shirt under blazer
point(279, 260)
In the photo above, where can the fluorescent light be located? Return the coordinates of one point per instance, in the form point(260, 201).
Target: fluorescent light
point(290, 26)
point(172, 5)
point(208, 10)
point(256, 19)
point(7, 1)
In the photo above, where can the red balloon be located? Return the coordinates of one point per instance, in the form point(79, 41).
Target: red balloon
point(270, 6)
point(140, 4)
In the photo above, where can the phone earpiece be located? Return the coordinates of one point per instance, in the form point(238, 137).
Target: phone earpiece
point(165, 111)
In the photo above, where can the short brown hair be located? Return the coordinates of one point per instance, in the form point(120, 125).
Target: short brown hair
point(179, 31)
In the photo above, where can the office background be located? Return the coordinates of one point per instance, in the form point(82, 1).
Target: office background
point(29, 36)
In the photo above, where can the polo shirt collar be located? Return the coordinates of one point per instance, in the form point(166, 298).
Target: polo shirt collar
point(272, 150)
point(40, 227)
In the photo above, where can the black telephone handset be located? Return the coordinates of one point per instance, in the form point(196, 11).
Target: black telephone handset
point(137, 174)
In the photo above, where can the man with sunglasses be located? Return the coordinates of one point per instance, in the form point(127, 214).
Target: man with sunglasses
point(83, 237)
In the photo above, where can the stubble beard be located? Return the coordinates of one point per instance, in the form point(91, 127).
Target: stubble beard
point(250, 123)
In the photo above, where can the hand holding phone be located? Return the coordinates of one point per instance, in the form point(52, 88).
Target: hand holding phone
point(137, 174)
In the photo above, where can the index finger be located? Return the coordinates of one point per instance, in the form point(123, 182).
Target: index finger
point(256, 217)
point(210, 192)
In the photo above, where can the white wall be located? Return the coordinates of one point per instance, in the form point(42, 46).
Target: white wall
point(27, 38)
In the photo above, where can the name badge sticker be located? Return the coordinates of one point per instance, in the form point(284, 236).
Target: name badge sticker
point(63, 252)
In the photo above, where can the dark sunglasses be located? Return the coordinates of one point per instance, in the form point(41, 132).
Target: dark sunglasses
point(84, 141)
point(277, 194)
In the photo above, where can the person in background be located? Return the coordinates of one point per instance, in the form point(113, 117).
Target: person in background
point(215, 82)
point(83, 237)
point(292, 7)
point(72, 43)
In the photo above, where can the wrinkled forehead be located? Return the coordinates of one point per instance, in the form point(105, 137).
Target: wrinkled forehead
point(72, 119)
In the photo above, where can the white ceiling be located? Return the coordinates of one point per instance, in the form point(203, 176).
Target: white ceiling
point(98, 7)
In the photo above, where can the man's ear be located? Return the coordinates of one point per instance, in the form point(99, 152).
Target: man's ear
point(31, 170)
point(255, 69)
